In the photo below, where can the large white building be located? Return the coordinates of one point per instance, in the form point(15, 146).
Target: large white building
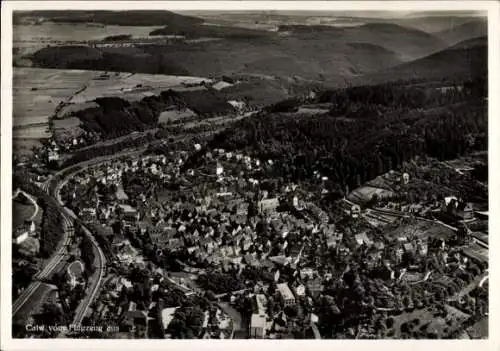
point(286, 294)
point(258, 326)
point(261, 303)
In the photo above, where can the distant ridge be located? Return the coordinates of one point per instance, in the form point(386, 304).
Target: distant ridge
point(436, 24)
point(473, 29)
point(465, 60)
point(470, 43)
point(120, 18)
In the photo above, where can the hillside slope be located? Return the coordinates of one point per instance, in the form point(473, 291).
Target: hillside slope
point(469, 30)
point(325, 59)
point(369, 131)
point(463, 61)
point(407, 43)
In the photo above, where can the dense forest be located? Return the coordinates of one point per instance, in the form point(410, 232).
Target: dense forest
point(368, 131)
point(87, 250)
point(115, 117)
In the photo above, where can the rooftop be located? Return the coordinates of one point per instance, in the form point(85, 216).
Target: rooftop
point(258, 321)
point(285, 291)
point(167, 315)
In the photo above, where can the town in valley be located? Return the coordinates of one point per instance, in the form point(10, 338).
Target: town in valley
point(250, 175)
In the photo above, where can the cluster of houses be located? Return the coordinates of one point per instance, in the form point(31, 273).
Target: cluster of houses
point(221, 217)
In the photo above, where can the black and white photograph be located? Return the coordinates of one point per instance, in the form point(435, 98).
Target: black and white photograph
point(248, 174)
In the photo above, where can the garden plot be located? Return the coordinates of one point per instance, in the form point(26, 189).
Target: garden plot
point(174, 115)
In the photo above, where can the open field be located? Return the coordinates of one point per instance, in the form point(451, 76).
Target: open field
point(37, 92)
point(31, 132)
point(365, 194)
point(30, 38)
point(21, 213)
point(133, 87)
point(40, 93)
point(174, 115)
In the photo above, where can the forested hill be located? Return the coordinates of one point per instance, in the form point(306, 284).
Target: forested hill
point(369, 131)
point(114, 117)
point(463, 61)
point(120, 18)
point(473, 29)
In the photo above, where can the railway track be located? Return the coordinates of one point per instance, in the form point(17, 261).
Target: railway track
point(30, 293)
point(96, 279)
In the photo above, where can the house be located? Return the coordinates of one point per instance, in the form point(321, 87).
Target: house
point(465, 210)
point(142, 226)
point(258, 326)
point(355, 211)
point(315, 286)
point(362, 239)
point(21, 234)
point(75, 272)
point(306, 273)
point(422, 247)
point(133, 315)
point(408, 247)
point(88, 212)
point(331, 242)
point(286, 294)
point(261, 303)
point(32, 227)
point(300, 290)
point(268, 205)
point(126, 283)
point(130, 214)
point(120, 194)
point(458, 208)
point(53, 156)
